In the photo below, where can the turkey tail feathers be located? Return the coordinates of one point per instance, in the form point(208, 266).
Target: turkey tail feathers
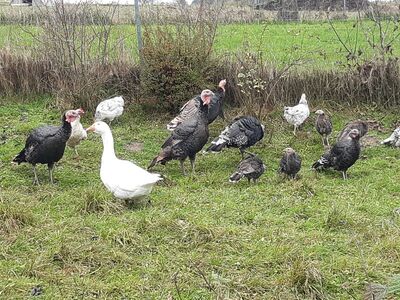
point(20, 158)
point(321, 163)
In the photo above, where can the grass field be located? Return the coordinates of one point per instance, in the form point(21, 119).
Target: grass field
point(318, 237)
point(313, 44)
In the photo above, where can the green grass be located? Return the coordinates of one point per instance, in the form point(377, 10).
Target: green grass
point(201, 238)
point(313, 44)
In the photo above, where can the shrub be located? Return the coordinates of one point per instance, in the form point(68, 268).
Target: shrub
point(177, 60)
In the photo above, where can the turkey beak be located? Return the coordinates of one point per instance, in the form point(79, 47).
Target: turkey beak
point(209, 99)
point(80, 111)
point(91, 128)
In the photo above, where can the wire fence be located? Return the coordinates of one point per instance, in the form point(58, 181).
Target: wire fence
point(21, 12)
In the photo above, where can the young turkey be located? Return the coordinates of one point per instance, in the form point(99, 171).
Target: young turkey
point(188, 138)
point(109, 109)
point(251, 167)
point(122, 178)
point(323, 125)
point(393, 139)
point(361, 126)
point(342, 155)
point(296, 115)
point(78, 134)
point(241, 133)
point(46, 144)
point(191, 108)
point(290, 163)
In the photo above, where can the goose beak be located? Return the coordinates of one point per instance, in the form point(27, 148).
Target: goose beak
point(92, 128)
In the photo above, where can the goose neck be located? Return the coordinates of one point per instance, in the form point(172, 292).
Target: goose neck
point(108, 146)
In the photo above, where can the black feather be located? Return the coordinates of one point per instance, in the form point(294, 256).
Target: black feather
point(241, 133)
point(342, 155)
point(45, 145)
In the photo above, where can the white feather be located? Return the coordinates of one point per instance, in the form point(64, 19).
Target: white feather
point(296, 115)
point(121, 177)
point(110, 109)
point(77, 133)
point(394, 138)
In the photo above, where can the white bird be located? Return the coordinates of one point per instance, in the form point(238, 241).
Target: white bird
point(77, 133)
point(109, 109)
point(122, 178)
point(296, 115)
point(394, 138)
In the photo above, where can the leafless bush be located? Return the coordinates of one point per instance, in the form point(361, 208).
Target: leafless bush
point(77, 40)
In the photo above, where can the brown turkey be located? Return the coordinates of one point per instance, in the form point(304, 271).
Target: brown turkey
point(190, 109)
point(188, 138)
point(323, 125)
point(290, 163)
point(251, 167)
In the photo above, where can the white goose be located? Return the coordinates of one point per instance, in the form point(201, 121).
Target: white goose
point(121, 177)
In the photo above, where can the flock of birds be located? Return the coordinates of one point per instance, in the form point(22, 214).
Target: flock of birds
point(189, 134)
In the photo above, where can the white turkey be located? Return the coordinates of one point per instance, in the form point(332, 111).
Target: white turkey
point(241, 133)
point(188, 138)
point(78, 134)
point(251, 167)
point(394, 139)
point(290, 163)
point(46, 144)
point(323, 125)
point(342, 155)
point(296, 115)
point(361, 126)
point(122, 178)
point(191, 108)
point(109, 109)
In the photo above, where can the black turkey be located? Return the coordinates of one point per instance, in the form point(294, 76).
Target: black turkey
point(241, 133)
point(188, 138)
point(290, 163)
point(342, 155)
point(361, 126)
point(46, 144)
point(251, 167)
point(323, 125)
point(191, 108)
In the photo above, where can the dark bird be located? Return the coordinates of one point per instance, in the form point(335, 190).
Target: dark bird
point(191, 108)
point(241, 133)
point(290, 163)
point(46, 144)
point(251, 167)
point(361, 126)
point(323, 125)
point(188, 138)
point(342, 155)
